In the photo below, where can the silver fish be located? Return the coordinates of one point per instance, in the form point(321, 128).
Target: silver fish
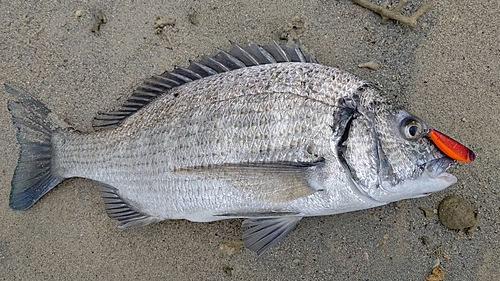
point(261, 132)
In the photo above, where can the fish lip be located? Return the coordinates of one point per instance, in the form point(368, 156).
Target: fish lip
point(436, 168)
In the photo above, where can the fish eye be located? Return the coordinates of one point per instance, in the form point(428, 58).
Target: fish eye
point(411, 129)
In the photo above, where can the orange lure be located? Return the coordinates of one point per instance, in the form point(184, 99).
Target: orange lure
point(451, 147)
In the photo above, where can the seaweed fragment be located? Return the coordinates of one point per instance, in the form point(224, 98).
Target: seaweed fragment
point(395, 13)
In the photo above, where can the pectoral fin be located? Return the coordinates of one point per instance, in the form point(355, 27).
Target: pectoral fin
point(267, 232)
point(273, 182)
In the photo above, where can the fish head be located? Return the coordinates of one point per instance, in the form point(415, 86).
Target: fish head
point(390, 156)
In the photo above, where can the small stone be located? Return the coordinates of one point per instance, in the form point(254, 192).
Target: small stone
point(456, 213)
point(161, 23)
point(228, 270)
point(438, 250)
point(428, 213)
point(373, 65)
point(366, 256)
point(193, 16)
point(296, 262)
point(78, 13)
point(437, 274)
point(426, 240)
point(446, 256)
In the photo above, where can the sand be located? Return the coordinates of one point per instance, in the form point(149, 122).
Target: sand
point(446, 71)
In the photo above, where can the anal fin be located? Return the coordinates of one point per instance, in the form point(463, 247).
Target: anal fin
point(118, 209)
point(265, 232)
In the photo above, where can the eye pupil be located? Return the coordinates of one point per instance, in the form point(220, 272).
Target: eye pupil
point(413, 130)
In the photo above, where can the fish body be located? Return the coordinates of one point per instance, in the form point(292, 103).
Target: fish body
point(217, 149)
point(262, 133)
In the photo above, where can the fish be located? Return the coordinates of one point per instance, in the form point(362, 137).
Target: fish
point(263, 133)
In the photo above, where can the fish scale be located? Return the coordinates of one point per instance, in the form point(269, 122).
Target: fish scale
point(262, 132)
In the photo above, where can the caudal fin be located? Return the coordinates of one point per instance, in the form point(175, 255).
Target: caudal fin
point(33, 176)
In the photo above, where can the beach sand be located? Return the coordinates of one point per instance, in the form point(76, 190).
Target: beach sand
point(445, 71)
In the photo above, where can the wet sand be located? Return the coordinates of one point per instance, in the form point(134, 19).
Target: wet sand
point(446, 71)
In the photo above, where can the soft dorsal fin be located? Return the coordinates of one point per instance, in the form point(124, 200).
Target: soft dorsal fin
point(237, 57)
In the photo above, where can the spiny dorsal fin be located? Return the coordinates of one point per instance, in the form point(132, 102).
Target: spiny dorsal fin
point(237, 57)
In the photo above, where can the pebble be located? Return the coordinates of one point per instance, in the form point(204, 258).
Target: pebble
point(456, 213)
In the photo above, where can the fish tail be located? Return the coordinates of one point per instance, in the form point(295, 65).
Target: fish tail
point(36, 125)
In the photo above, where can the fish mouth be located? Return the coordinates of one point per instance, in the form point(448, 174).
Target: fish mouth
point(437, 168)
point(435, 171)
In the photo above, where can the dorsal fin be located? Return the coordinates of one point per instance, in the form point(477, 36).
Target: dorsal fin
point(237, 57)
